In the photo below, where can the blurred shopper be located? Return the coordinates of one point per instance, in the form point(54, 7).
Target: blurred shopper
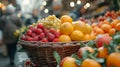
point(34, 18)
point(80, 11)
point(8, 24)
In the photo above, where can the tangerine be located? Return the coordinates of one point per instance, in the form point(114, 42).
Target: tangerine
point(113, 60)
point(114, 23)
point(103, 52)
point(99, 31)
point(117, 27)
point(81, 26)
point(64, 38)
point(66, 28)
point(112, 31)
point(90, 63)
point(106, 27)
point(66, 18)
point(76, 35)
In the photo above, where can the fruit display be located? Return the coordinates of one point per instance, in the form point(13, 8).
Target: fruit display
point(102, 39)
point(52, 29)
point(105, 53)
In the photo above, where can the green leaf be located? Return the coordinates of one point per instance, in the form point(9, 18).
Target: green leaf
point(82, 44)
point(103, 64)
point(57, 57)
point(85, 54)
point(95, 53)
point(91, 43)
point(106, 45)
point(100, 60)
point(74, 56)
point(79, 62)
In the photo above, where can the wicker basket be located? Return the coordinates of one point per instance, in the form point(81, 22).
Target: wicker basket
point(41, 54)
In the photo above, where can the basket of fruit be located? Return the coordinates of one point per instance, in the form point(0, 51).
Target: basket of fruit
point(51, 34)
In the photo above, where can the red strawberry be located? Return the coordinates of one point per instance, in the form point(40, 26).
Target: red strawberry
point(44, 40)
point(50, 37)
point(46, 32)
point(36, 38)
point(56, 40)
point(38, 31)
point(40, 25)
point(34, 30)
point(52, 30)
point(44, 29)
point(29, 39)
point(33, 35)
point(57, 34)
point(29, 32)
point(41, 36)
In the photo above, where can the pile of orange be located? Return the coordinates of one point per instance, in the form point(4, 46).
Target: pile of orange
point(106, 27)
point(76, 31)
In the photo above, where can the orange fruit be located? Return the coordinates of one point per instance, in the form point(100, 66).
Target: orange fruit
point(95, 29)
point(81, 26)
point(66, 28)
point(68, 62)
point(76, 35)
point(66, 18)
point(106, 22)
point(103, 22)
point(99, 31)
point(94, 25)
point(102, 52)
point(86, 37)
point(113, 60)
point(90, 63)
point(112, 31)
point(93, 35)
point(117, 27)
point(106, 27)
point(88, 29)
point(64, 38)
point(114, 23)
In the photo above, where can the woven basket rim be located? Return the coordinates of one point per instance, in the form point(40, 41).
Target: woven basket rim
point(47, 44)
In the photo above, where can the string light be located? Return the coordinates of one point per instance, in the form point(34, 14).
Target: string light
point(46, 10)
point(78, 2)
point(72, 4)
point(44, 3)
point(88, 4)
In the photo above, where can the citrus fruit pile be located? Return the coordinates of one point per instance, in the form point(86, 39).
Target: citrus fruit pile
point(74, 31)
point(103, 52)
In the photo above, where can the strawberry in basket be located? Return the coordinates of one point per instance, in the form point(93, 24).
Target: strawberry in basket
point(46, 30)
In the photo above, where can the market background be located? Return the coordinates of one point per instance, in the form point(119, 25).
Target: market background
point(44, 8)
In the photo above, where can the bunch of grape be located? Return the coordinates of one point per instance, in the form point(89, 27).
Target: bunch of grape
point(51, 22)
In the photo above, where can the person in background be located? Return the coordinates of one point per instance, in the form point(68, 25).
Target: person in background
point(9, 23)
point(1, 13)
point(34, 17)
point(80, 11)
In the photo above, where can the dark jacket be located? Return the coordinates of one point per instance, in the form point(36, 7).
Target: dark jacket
point(8, 24)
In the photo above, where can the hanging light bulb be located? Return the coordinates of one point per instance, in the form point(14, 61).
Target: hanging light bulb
point(78, 2)
point(72, 4)
point(46, 10)
point(88, 4)
point(44, 3)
